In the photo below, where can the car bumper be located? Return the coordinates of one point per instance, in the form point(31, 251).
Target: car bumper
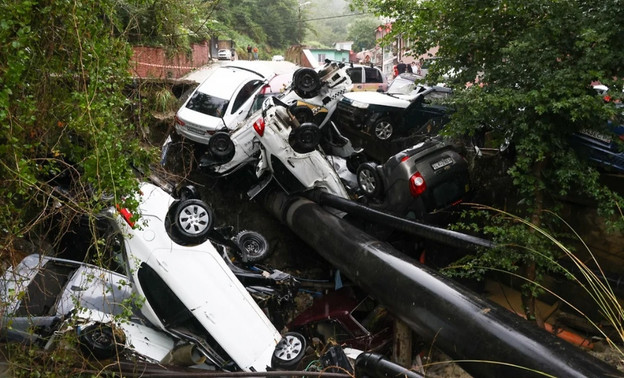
point(194, 136)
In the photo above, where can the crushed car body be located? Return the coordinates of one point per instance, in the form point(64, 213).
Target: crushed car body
point(47, 296)
point(190, 291)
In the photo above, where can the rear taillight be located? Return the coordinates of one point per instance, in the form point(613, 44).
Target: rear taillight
point(126, 215)
point(259, 126)
point(417, 184)
point(179, 121)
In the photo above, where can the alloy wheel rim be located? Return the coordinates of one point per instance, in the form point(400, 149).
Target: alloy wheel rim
point(193, 219)
point(367, 182)
point(383, 130)
point(288, 348)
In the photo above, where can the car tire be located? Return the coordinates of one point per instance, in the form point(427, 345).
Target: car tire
point(383, 129)
point(289, 351)
point(355, 160)
point(369, 180)
point(189, 222)
point(306, 83)
point(305, 138)
point(253, 246)
point(187, 192)
point(302, 113)
point(99, 340)
point(221, 147)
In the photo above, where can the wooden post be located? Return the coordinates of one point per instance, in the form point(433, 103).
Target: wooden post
point(402, 347)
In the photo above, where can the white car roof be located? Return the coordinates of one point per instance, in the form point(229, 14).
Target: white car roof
point(223, 81)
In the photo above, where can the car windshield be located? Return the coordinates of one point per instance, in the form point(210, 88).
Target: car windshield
point(207, 104)
point(401, 85)
point(436, 96)
point(45, 289)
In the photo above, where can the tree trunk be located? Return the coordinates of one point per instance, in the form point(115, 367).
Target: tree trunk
point(528, 300)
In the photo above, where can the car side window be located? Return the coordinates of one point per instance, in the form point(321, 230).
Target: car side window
point(245, 93)
point(355, 74)
point(165, 303)
point(373, 75)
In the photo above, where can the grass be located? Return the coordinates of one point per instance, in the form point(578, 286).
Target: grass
point(589, 276)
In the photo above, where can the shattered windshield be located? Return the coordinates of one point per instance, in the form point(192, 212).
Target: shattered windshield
point(207, 104)
point(401, 86)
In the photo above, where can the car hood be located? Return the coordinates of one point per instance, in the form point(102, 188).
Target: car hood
point(94, 289)
point(376, 98)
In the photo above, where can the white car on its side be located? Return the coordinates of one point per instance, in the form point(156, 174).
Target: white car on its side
point(191, 292)
point(43, 297)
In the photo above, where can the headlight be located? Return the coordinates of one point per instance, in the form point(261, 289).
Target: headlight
point(361, 105)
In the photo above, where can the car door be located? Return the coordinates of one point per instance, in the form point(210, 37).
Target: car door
point(242, 103)
point(425, 116)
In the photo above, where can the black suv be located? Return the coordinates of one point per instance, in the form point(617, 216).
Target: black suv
point(418, 181)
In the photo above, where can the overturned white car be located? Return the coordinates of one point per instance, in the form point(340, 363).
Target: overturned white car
point(191, 292)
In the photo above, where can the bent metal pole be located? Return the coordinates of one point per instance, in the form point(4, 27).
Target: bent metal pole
point(485, 339)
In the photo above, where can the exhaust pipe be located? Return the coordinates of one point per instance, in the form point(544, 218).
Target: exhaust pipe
point(485, 339)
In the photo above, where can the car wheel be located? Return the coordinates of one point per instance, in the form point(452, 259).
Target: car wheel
point(289, 351)
point(100, 341)
point(302, 113)
point(355, 160)
point(369, 180)
point(253, 246)
point(306, 83)
point(305, 138)
point(221, 147)
point(383, 129)
point(187, 192)
point(189, 221)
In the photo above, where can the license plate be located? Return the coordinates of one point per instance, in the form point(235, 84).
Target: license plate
point(442, 163)
point(195, 130)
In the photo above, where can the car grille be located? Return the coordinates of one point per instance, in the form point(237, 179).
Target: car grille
point(349, 115)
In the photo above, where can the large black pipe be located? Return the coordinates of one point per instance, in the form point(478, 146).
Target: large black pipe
point(484, 338)
point(440, 235)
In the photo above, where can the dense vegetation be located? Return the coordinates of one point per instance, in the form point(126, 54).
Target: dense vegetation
point(65, 116)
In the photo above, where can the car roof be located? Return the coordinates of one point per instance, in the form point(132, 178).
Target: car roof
point(223, 81)
point(363, 65)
